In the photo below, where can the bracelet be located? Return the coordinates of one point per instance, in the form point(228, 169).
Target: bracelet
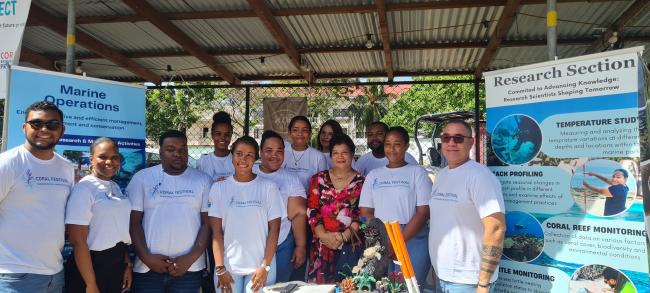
point(484, 285)
point(221, 273)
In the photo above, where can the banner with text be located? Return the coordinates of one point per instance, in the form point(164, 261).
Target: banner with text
point(92, 108)
point(13, 16)
point(564, 139)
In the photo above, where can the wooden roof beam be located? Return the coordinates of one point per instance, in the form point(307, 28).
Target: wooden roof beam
point(638, 8)
point(27, 55)
point(148, 12)
point(268, 19)
point(501, 30)
point(92, 44)
point(315, 11)
point(385, 38)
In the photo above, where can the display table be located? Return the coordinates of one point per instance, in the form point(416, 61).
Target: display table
point(302, 287)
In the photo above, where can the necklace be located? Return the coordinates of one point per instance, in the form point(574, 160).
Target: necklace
point(341, 177)
point(295, 161)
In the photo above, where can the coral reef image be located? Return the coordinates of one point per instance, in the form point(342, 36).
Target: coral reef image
point(600, 278)
point(524, 240)
point(516, 139)
point(595, 192)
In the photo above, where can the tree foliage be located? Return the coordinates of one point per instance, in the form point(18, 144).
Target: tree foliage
point(423, 99)
point(175, 108)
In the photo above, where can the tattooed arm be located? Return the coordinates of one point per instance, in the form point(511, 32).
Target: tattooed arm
point(494, 227)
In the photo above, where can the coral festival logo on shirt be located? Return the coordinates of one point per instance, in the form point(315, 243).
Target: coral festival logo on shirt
point(388, 183)
point(31, 180)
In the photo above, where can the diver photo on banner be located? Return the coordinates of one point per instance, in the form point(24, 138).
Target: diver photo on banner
point(567, 140)
point(92, 108)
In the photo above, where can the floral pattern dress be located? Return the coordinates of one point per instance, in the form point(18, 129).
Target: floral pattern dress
point(335, 210)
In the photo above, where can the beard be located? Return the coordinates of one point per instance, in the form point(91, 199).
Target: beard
point(377, 149)
point(46, 147)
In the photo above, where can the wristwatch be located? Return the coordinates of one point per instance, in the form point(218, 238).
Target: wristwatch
point(267, 268)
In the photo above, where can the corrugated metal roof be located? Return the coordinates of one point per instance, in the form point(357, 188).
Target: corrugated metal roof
point(43, 40)
point(198, 5)
point(241, 33)
point(584, 20)
point(279, 4)
point(510, 57)
point(85, 7)
point(337, 30)
point(347, 63)
point(441, 26)
point(131, 36)
point(436, 60)
point(344, 30)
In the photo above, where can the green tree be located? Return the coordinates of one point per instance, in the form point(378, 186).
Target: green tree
point(370, 106)
point(175, 108)
point(423, 99)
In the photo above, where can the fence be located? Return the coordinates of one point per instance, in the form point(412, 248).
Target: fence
point(353, 105)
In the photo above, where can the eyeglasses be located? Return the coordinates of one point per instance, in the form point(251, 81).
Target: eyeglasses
point(37, 124)
point(445, 138)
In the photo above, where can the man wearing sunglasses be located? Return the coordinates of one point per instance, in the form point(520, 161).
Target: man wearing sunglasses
point(467, 214)
point(34, 186)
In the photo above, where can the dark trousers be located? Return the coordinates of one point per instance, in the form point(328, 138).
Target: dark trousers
point(109, 268)
point(152, 282)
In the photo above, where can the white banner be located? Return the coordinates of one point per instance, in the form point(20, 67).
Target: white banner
point(13, 16)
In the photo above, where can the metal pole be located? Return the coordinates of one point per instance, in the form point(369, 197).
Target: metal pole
point(551, 26)
point(477, 120)
point(70, 39)
point(247, 117)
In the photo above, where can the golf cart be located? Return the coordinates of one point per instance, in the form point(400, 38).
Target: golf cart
point(437, 122)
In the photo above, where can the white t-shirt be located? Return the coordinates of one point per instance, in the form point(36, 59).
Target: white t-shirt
point(328, 160)
point(245, 209)
point(100, 205)
point(460, 198)
point(369, 162)
point(172, 207)
point(217, 167)
point(395, 192)
point(289, 186)
point(304, 164)
point(33, 193)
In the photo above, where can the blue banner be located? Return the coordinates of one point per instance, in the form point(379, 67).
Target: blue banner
point(567, 139)
point(92, 108)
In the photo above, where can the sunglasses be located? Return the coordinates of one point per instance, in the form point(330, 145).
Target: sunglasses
point(37, 124)
point(445, 138)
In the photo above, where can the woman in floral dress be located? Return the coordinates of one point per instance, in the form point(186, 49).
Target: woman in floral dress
point(334, 215)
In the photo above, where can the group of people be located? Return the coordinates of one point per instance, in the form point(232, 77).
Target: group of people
point(295, 215)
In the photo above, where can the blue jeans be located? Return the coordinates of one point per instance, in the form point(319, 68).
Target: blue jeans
point(21, 283)
point(418, 249)
point(243, 282)
point(152, 282)
point(443, 286)
point(283, 259)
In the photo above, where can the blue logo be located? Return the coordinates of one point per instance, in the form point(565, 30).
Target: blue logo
point(28, 177)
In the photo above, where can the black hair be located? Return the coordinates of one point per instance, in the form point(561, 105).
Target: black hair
point(623, 171)
point(172, 133)
point(462, 122)
point(221, 117)
point(382, 124)
point(101, 140)
point(249, 141)
point(401, 131)
point(610, 273)
point(270, 134)
point(344, 139)
point(336, 128)
point(43, 106)
point(299, 118)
